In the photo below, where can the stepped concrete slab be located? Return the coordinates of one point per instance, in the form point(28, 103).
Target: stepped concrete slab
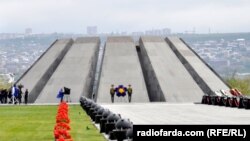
point(181, 113)
point(121, 66)
point(76, 71)
point(203, 74)
point(39, 73)
point(165, 75)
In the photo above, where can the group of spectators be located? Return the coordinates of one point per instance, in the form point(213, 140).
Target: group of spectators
point(14, 95)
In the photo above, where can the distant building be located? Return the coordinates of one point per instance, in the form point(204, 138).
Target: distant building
point(137, 33)
point(124, 33)
point(28, 31)
point(166, 31)
point(158, 32)
point(92, 30)
point(148, 32)
point(241, 42)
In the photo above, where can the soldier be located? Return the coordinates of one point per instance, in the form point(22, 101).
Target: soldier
point(112, 93)
point(130, 91)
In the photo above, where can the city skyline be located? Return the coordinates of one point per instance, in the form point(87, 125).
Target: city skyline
point(68, 16)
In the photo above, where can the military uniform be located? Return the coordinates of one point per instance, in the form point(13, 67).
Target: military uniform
point(129, 93)
point(112, 94)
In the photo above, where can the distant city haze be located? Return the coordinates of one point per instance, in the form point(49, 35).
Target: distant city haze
point(74, 16)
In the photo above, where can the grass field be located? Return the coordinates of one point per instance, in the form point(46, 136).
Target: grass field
point(241, 84)
point(36, 123)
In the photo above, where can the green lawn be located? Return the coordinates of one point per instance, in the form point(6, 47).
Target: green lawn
point(243, 85)
point(36, 123)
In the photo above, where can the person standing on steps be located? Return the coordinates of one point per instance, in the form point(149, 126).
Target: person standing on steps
point(112, 93)
point(130, 91)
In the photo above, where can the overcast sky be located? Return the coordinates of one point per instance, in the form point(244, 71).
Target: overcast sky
point(72, 16)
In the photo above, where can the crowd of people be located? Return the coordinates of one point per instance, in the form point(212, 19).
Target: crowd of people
point(14, 95)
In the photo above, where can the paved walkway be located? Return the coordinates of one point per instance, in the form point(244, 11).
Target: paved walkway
point(186, 113)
